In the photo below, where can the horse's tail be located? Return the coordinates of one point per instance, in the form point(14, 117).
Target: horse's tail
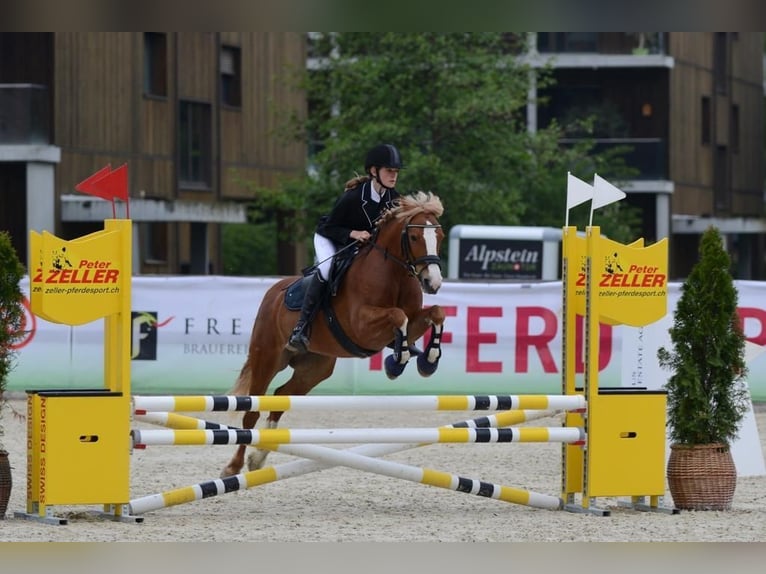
point(242, 384)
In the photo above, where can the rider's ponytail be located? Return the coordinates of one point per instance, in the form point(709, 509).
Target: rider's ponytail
point(355, 181)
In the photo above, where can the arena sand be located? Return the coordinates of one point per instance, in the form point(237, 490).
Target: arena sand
point(346, 505)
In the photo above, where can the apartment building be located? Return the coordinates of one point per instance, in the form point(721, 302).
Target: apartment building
point(690, 106)
point(191, 113)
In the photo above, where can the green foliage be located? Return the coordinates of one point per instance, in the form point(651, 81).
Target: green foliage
point(707, 394)
point(11, 310)
point(455, 104)
point(249, 248)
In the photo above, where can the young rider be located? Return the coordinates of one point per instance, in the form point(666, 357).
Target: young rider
point(352, 219)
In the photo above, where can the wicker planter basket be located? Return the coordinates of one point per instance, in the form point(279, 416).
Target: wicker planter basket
point(5, 482)
point(701, 477)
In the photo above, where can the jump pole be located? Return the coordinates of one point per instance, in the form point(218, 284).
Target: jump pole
point(426, 476)
point(269, 437)
point(281, 403)
point(291, 469)
point(176, 421)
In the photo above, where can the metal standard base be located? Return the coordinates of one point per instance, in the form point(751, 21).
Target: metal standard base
point(47, 519)
point(639, 503)
point(570, 505)
point(109, 513)
point(590, 510)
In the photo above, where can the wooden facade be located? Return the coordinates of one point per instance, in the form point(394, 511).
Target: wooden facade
point(103, 115)
point(693, 159)
point(716, 137)
point(690, 105)
point(701, 118)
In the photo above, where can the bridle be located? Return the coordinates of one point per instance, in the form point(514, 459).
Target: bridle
point(410, 262)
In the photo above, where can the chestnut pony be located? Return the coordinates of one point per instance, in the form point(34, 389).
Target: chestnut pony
point(378, 303)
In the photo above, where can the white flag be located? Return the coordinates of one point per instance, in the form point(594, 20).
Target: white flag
point(578, 192)
point(604, 193)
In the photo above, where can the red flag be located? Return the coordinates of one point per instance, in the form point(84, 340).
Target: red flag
point(116, 183)
point(87, 185)
point(107, 183)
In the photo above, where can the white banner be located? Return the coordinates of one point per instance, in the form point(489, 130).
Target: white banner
point(190, 335)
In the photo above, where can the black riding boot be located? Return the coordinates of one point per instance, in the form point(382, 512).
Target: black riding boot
point(299, 338)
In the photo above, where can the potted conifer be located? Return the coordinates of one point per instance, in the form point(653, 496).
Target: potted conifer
point(706, 392)
point(11, 320)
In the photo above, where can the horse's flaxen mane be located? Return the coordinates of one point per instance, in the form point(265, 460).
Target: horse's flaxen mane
point(409, 205)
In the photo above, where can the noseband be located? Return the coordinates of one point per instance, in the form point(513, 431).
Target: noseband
point(410, 263)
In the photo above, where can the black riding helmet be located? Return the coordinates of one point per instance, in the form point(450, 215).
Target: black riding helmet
point(383, 155)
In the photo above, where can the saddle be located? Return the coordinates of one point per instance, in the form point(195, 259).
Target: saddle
point(296, 291)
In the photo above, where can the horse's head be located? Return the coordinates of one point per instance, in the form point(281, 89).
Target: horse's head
point(421, 237)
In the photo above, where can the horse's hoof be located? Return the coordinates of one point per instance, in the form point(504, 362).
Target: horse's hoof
point(393, 367)
point(425, 368)
point(229, 471)
point(256, 459)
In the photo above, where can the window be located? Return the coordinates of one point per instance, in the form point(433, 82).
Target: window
point(231, 76)
point(155, 242)
point(567, 42)
point(706, 120)
point(155, 64)
point(734, 129)
point(721, 179)
point(194, 145)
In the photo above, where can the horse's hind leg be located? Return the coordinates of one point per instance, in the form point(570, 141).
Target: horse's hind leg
point(238, 460)
point(309, 370)
point(253, 382)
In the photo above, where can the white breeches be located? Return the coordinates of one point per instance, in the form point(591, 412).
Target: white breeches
point(324, 249)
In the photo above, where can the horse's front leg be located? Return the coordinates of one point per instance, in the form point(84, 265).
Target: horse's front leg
point(375, 323)
point(396, 361)
point(428, 359)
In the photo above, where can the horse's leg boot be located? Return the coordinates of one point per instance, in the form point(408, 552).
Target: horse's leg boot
point(299, 338)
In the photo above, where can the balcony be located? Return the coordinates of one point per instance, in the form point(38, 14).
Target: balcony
point(636, 43)
point(594, 50)
point(24, 115)
point(647, 155)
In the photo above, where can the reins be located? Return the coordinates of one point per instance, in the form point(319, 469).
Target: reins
point(310, 269)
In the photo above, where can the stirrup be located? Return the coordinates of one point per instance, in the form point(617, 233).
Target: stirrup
point(298, 341)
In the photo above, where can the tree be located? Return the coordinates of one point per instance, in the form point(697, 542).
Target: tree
point(455, 105)
point(707, 397)
point(11, 313)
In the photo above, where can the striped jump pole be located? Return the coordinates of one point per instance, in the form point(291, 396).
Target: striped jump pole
point(272, 403)
point(264, 437)
point(290, 469)
point(181, 422)
point(422, 475)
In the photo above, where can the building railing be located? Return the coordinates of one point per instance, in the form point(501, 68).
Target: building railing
point(602, 42)
point(24, 114)
point(647, 155)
